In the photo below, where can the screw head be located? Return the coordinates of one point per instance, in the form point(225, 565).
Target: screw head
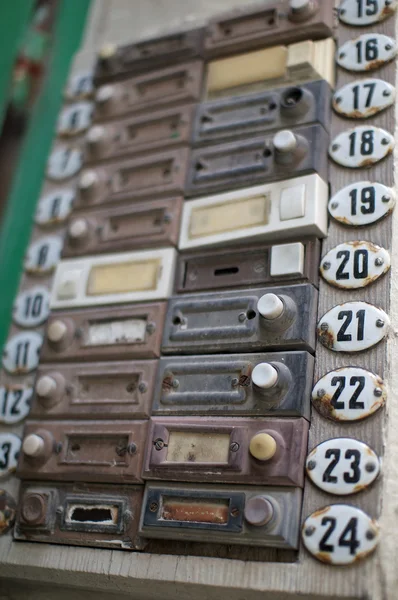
point(386, 93)
point(370, 535)
point(234, 381)
point(342, 55)
point(385, 141)
point(379, 261)
point(370, 467)
point(324, 326)
point(311, 465)
point(335, 147)
point(159, 444)
point(150, 328)
point(153, 506)
point(326, 266)
point(338, 100)
point(320, 393)
point(234, 512)
point(378, 392)
point(142, 387)
point(234, 447)
point(380, 323)
point(242, 317)
point(334, 205)
point(176, 383)
point(385, 198)
point(388, 47)
point(309, 531)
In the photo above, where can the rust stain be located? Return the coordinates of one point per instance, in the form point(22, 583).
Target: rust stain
point(324, 557)
point(326, 338)
point(245, 380)
point(195, 512)
point(321, 511)
point(357, 114)
point(167, 384)
point(375, 64)
point(386, 12)
point(325, 408)
point(359, 488)
point(343, 220)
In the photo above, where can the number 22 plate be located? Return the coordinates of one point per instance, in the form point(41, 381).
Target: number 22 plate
point(340, 534)
point(361, 147)
point(353, 327)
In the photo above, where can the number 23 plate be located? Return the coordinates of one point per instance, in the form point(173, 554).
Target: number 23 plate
point(361, 147)
point(340, 534)
point(353, 327)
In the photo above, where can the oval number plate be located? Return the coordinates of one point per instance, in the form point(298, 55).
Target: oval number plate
point(32, 307)
point(75, 119)
point(63, 163)
point(43, 255)
point(14, 403)
point(8, 510)
point(367, 52)
point(10, 446)
point(80, 86)
point(353, 327)
point(363, 99)
point(354, 264)
point(362, 203)
point(21, 353)
point(365, 12)
point(361, 147)
point(340, 534)
point(55, 208)
point(342, 466)
point(349, 394)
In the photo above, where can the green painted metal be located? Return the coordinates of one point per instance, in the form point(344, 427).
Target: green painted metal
point(18, 217)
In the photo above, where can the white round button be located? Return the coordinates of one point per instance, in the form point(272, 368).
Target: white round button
point(107, 50)
point(264, 376)
point(87, 180)
point(33, 445)
point(45, 386)
point(285, 141)
point(56, 331)
point(78, 228)
point(95, 134)
point(262, 446)
point(299, 4)
point(270, 306)
point(105, 93)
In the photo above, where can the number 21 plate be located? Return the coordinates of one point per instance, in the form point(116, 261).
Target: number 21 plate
point(361, 147)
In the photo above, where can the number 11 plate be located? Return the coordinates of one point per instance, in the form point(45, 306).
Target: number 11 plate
point(361, 147)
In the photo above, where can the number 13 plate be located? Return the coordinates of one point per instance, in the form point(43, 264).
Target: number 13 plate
point(361, 147)
point(353, 327)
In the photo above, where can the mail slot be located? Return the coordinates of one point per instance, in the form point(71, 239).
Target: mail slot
point(150, 177)
point(274, 318)
point(146, 55)
point(267, 384)
point(268, 68)
point(114, 278)
point(240, 116)
point(100, 390)
point(107, 451)
point(287, 153)
point(135, 135)
point(251, 516)
point(108, 333)
point(281, 210)
point(172, 86)
point(251, 451)
point(80, 514)
point(240, 30)
point(127, 227)
point(296, 262)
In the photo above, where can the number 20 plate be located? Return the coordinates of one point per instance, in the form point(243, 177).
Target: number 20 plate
point(340, 534)
point(353, 327)
point(361, 147)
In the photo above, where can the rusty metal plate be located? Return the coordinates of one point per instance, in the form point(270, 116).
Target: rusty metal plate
point(368, 52)
point(229, 118)
point(80, 514)
point(349, 394)
point(352, 265)
point(353, 327)
point(268, 384)
point(248, 266)
point(361, 147)
point(342, 466)
point(363, 98)
point(55, 208)
point(32, 307)
point(10, 446)
point(157, 131)
point(261, 451)
point(107, 451)
point(360, 13)
point(173, 86)
point(252, 516)
point(128, 227)
point(150, 177)
point(275, 318)
point(15, 401)
point(362, 203)
point(108, 333)
point(64, 162)
point(101, 390)
point(8, 509)
point(340, 534)
point(43, 255)
point(21, 352)
point(241, 30)
point(260, 160)
point(147, 55)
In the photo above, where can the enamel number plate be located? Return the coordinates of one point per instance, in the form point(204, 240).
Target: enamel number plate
point(354, 264)
point(365, 12)
point(43, 255)
point(340, 534)
point(349, 394)
point(361, 147)
point(353, 327)
point(55, 207)
point(80, 86)
point(342, 466)
point(364, 98)
point(14, 403)
point(21, 353)
point(32, 307)
point(367, 52)
point(362, 203)
point(10, 446)
point(75, 119)
point(64, 162)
